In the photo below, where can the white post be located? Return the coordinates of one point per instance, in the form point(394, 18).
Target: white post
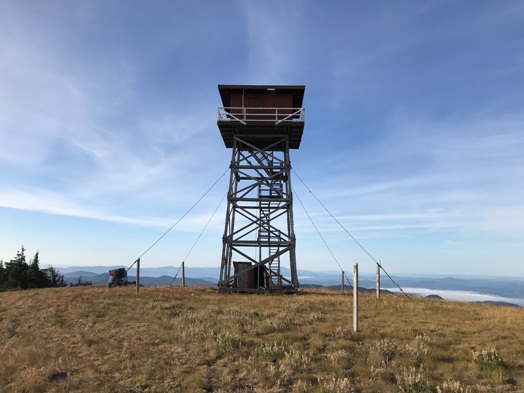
point(378, 280)
point(138, 276)
point(183, 275)
point(342, 283)
point(355, 298)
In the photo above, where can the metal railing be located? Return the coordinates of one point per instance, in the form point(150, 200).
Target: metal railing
point(250, 114)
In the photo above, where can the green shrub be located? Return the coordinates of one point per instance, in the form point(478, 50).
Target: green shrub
point(488, 358)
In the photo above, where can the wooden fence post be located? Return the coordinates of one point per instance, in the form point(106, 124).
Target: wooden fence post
point(183, 274)
point(378, 280)
point(137, 276)
point(342, 283)
point(355, 298)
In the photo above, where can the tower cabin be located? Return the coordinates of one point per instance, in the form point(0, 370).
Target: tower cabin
point(260, 124)
point(260, 115)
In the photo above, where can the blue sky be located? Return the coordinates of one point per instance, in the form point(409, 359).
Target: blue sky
point(414, 132)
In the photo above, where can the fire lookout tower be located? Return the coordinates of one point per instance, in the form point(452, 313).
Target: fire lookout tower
point(260, 124)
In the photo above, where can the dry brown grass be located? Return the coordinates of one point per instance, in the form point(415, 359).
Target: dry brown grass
point(193, 339)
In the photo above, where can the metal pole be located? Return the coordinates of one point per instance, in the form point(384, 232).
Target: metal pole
point(183, 275)
point(355, 298)
point(378, 280)
point(138, 276)
point(342, 282)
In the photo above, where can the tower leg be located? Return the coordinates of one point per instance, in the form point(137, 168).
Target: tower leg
point(258, 231)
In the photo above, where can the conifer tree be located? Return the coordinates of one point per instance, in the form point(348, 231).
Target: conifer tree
point(34, 274)
point(2, 273)
point(17, 271)
point(18, 274)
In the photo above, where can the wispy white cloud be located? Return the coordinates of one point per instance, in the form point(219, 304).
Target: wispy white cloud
point(464, 296)
point(44, 201)
point(89, 129)
point(48, 95)
point(272, 31)
point(429, 175)
point(413, 128)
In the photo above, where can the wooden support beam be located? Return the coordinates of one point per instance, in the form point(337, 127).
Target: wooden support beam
point(378, 280)
point(355, 298)
point(138, 276)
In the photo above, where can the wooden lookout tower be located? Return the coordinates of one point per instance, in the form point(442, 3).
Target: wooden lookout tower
point(260, 124)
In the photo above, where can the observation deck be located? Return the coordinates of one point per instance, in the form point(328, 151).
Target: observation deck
point(261, 115)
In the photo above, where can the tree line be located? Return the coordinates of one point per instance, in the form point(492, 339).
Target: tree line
point(20, 274)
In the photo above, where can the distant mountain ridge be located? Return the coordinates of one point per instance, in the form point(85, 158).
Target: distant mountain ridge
point(503, 288)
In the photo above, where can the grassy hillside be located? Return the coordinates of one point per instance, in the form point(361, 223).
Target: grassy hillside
point(86, 339)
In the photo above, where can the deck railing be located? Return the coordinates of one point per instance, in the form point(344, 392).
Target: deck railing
point(245, 115)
